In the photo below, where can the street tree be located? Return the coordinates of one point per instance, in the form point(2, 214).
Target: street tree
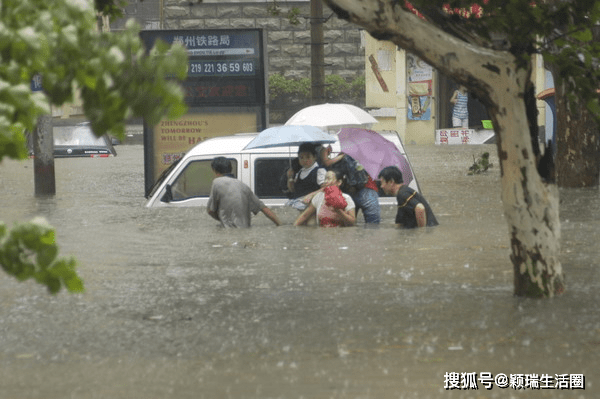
point(116, 78)
point(489, 48)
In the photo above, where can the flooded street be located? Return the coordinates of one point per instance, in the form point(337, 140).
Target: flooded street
point(177, 307)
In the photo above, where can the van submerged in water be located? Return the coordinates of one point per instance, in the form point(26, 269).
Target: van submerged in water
point(187, 182)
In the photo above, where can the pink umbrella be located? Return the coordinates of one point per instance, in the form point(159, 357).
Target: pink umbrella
point(373, 151)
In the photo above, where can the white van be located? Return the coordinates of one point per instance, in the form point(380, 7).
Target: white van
point(188, 181)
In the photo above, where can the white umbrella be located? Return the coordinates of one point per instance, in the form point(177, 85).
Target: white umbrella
point(289, 135)
point(332, 115)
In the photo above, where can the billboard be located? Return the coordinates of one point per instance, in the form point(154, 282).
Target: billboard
point(225, 91)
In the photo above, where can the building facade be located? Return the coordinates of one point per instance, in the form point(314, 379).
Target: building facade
point(392, 94)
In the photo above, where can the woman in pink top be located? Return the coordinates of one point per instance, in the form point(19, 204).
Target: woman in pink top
point(332, 207)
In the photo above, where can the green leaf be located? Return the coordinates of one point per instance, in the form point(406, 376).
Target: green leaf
point(593, 106)
point(29, 251)
point(584, 35)
point(46, 256)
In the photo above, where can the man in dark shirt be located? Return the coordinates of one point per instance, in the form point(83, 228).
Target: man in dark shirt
point(413, 209)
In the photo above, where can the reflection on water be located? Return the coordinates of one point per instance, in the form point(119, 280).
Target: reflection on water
point(179, 307)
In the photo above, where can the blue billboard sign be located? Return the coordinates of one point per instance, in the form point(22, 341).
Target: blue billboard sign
point(224, 66)
point(225, 90)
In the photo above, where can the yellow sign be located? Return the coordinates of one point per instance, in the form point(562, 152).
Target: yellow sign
point(173, 138)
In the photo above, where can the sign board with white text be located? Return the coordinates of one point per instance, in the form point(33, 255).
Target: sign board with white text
point(225, 91)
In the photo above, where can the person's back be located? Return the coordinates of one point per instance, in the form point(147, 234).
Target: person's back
point(408, 200)
point(413, 209)
point(361, 187)
point(233, 201)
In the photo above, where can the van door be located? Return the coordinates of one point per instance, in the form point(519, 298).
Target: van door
point(245, 169)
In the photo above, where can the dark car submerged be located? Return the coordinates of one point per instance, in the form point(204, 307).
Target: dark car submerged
point(80, 141)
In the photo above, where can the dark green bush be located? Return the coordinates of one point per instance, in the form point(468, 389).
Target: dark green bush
point(287, 96)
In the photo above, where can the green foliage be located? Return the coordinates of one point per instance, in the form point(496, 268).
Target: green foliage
point(337, 89)
point(357, 87)
point(280, 86)
point(29, 251)
point(481, 164)
point(293, 14)
point(58, 40)
point(12, 142)
point(274, 9)
point(116, 77)
point(112, 8)
point(288, 95)
point(336, 86)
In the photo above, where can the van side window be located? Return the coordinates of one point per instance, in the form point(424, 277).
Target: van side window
point(267, 174)
point(196, 179)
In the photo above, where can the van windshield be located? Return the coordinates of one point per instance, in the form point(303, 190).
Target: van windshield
point(160, 179)
point(196, 180)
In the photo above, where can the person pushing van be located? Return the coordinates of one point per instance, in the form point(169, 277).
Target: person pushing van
point(413, 209)
point(231, 201)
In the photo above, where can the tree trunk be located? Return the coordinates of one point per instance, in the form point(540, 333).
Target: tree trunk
point(578, 144)
point(530, 205)
point(43, 161)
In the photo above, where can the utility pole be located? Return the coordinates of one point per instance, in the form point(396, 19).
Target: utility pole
point(317, 53)
point(43, 161)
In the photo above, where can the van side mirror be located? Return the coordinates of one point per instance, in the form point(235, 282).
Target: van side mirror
point(168, 197)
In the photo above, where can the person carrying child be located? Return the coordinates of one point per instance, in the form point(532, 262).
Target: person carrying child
point(332, 207)
point(357, 182)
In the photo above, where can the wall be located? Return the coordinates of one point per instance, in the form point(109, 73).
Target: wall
point(386, 93)
point(288, 45)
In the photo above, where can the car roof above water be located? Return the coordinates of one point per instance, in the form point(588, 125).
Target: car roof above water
point(236, 143)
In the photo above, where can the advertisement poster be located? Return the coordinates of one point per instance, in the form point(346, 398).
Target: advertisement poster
point(419, 108)
point(173, 138)
point(420, 76)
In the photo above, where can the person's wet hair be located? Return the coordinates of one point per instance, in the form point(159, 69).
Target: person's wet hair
point(391, 173)
point(308, 147)
point(333, 176)
point(221, 165)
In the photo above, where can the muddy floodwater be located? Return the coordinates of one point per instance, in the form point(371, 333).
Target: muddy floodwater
point(177, 307)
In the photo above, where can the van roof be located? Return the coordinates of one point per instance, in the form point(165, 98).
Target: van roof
point(237, 142)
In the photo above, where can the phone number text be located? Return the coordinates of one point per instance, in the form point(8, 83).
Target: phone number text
point(211, 68)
